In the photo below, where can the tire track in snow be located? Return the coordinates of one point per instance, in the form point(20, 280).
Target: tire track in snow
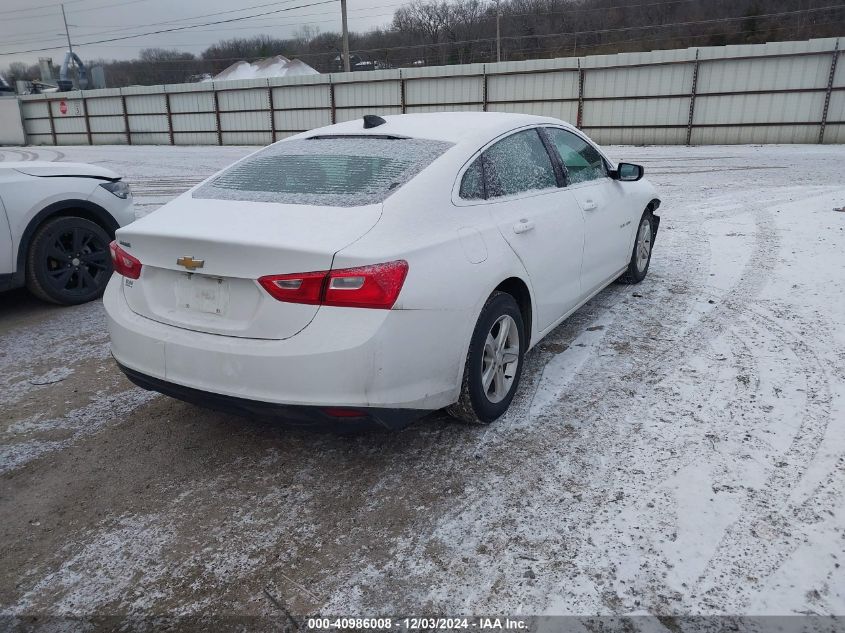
point(23, 154)
point(762, 537)
point(644, 378)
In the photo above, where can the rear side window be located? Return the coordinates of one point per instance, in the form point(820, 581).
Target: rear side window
point(516, 164)
point(472, 184)
point(340, 171)
point(582, 160)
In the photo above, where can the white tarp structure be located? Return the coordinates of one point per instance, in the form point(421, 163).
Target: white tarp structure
point(278, 66)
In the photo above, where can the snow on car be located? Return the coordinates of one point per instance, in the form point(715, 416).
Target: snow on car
point(363, 274)
point(56, 222)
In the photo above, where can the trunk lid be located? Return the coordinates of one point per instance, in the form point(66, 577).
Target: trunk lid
point(237, 242)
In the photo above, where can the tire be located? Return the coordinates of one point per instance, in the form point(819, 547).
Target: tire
point(68, 261)
point(479, 404)
point(641, 253)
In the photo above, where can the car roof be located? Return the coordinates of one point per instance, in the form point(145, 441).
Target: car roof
point(453, 127)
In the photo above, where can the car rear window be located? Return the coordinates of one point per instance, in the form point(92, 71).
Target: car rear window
point(341, 171)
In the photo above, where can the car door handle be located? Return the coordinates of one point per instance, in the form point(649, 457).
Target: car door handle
point(523, 226)
point(590, 205)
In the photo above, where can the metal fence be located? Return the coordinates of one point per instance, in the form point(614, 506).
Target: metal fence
point(781, 92)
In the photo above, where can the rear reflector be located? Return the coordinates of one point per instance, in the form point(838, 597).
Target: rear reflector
point(337, 412)
point(124, 263)
point(376, 286)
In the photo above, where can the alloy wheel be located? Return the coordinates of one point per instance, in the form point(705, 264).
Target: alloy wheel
point(643, 244)
point(500, 358)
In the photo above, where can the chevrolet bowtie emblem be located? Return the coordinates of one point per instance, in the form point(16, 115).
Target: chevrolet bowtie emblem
point(190, 263)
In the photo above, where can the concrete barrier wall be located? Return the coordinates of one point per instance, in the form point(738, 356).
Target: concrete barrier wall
point(781, 92)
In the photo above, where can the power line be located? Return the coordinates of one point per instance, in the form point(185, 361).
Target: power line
point(398, 4)
point(175, 20)
point(547, 49)
point(359, 9)
point(39, 6)
point(469, 41)
point(178, 28)
point(53, 13)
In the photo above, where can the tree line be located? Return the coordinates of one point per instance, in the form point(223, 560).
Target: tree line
point(438, 32)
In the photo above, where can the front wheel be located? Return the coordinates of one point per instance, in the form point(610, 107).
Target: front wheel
point(494, 362)
point(68, 261)
point(641, 256)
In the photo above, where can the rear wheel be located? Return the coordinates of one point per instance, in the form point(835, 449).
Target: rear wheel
point(68, 261)
point(641, 256)
point(494, 362)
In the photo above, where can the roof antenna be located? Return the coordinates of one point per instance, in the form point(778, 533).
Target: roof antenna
point(371, 120)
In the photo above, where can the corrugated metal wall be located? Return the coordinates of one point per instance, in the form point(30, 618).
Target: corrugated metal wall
point(782, 92)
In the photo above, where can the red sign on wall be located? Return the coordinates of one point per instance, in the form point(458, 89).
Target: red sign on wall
point(62, 107)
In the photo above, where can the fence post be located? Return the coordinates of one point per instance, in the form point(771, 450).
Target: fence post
point(272, 112)
point(217, 117)
point(580, 120)
point(484, 88)
point(401, 91)
point(85, 118)
point(169, 117)
point(52, 123)
point(833, 61)
point(126, 129)
point(331, 100)
point(692, 97)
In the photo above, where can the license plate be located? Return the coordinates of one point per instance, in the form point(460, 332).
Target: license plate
point(200, 293)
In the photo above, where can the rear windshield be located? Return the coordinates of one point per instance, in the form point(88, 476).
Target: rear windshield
point(341, 172)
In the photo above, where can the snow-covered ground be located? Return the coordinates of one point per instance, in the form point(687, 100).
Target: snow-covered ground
point(677, 447)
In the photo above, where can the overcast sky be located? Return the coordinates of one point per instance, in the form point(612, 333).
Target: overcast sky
point(35, 24)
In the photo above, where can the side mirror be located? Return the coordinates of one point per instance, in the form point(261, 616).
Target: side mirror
point(628, 172)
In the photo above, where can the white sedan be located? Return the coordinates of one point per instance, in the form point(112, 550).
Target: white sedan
point(365, 273)
point(56, 222)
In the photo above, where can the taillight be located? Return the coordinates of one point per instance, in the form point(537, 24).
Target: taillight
point(298, 288)
point(375, 286)
point(124, 263)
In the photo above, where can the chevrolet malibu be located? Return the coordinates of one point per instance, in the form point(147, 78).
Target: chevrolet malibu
point(366, 273)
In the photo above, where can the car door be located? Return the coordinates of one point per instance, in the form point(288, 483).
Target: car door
point(541, 221)
point(607, 225)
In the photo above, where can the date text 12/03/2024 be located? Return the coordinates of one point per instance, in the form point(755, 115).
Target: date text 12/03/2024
point(417, 623)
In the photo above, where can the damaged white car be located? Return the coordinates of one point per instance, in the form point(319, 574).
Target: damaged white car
point(365, 273)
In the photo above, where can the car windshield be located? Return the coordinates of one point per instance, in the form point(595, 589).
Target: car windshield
point(340, 171)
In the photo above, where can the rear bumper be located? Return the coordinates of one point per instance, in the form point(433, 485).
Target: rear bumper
point(318, 418)
point(346, 357)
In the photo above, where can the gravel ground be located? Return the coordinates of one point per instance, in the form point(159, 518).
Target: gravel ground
point(677, 447)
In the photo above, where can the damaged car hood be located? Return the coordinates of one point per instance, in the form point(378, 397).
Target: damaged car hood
point(60, 169)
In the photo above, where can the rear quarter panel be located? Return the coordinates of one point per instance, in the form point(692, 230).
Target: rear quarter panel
point(456, 258)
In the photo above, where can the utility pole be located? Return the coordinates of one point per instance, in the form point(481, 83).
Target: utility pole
point(346, 67)
point(67, 32)
point(498, 34)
